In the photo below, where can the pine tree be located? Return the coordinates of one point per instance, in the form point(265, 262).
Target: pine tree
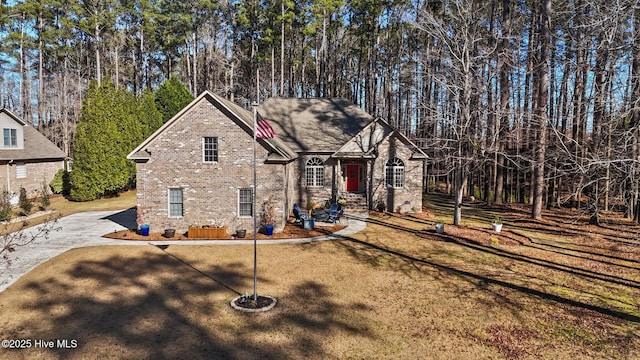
point(148, 114)
point(24, 202)
point(171, 97)
point(108, 130)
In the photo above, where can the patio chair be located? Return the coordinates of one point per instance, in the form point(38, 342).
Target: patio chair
point(298, 214)
point(336, 217)
point(333, 210)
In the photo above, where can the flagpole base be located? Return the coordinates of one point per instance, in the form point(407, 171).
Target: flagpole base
point(246, 303)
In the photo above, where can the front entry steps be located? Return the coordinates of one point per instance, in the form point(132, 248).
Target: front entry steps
point(356, 202)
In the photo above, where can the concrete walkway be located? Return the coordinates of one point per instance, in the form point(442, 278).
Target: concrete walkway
point(86, 229)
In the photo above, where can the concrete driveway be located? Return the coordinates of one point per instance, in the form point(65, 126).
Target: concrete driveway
point(86, 229)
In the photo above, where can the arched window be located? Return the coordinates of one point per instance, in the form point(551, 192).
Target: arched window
point(314, 171)
point(394, 171)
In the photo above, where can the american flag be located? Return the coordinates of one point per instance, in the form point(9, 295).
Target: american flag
point(264, 129)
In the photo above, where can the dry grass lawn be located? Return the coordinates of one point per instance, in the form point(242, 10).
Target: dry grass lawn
point(553, 289)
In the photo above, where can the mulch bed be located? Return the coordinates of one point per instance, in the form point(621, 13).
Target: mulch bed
point(290, 231)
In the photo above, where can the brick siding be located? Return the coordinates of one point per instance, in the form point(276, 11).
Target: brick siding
point(36, 174)
point(409, 197)
point(210, 190)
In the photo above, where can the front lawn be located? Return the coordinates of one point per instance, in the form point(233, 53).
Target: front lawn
point(552, 289)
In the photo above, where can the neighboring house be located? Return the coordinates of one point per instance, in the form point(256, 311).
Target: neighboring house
point(29, 159)
point(198, 167)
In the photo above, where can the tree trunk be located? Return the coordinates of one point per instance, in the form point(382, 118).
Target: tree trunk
point(195, 61)
point(281, 92)
point(96, 35)
point(541, 109)
point(462, 179)
point(633, 190)
point(40, 74)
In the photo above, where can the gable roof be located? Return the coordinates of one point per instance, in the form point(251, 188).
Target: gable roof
point(366, 142)
point(36, 145)
point(13, 116)
point(314, 125)
point(279, 152)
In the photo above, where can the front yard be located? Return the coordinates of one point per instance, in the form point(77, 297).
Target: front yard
point(552, 289)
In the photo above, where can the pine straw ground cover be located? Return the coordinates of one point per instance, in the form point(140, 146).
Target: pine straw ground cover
point(552, 289)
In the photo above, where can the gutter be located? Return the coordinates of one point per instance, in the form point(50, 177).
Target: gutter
point(8, 176)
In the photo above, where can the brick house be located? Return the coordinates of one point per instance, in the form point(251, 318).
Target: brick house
point(29, 158)
point(198, 167)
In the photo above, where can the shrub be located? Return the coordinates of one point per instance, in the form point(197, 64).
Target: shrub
point(60, 182)
point(24, 202)
point(5, 205)
point(112, 123)
point(45, 196)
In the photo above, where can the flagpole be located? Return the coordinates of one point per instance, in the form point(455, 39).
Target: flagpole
point(255, 203)
point(255, 189)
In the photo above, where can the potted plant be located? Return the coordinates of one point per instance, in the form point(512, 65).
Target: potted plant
point(342, 201)
point(169, 233)
point(240, 232)
point(310, 206)
point(268, 216)
point(207, 231)
point(143, 228)
point(220, 231)
point(497, 224)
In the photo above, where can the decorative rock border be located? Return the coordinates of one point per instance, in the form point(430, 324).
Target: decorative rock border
point(245, 303)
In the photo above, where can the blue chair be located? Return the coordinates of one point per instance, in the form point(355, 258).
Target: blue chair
point(333, 210)
point(298, 214)
point(336, 218)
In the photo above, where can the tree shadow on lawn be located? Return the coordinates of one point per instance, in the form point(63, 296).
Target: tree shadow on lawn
point(483, 280)
point(156, 307)
point(560, 225)
point(552, 265)
point(564, 223)
point(557, 248)
point(515, 236)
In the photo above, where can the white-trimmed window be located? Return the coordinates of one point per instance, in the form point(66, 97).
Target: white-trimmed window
point(209, 149)
point(10, 137)
point(175, 202)
point(394, 172)
point(314, 172)
point(245, 202)
point(21, 171)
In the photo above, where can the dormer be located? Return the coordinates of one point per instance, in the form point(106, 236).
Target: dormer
point(11, 131)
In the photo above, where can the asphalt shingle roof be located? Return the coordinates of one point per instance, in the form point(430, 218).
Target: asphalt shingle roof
point(318, 125)
point(244, 118)
point(36, 145)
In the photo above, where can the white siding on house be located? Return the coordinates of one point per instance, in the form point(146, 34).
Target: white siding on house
point(6, 122)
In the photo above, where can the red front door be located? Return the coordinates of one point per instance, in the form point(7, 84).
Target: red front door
point(352, 178)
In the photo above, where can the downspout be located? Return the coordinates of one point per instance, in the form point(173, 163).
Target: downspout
point(337, 178)
point(8, 176)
